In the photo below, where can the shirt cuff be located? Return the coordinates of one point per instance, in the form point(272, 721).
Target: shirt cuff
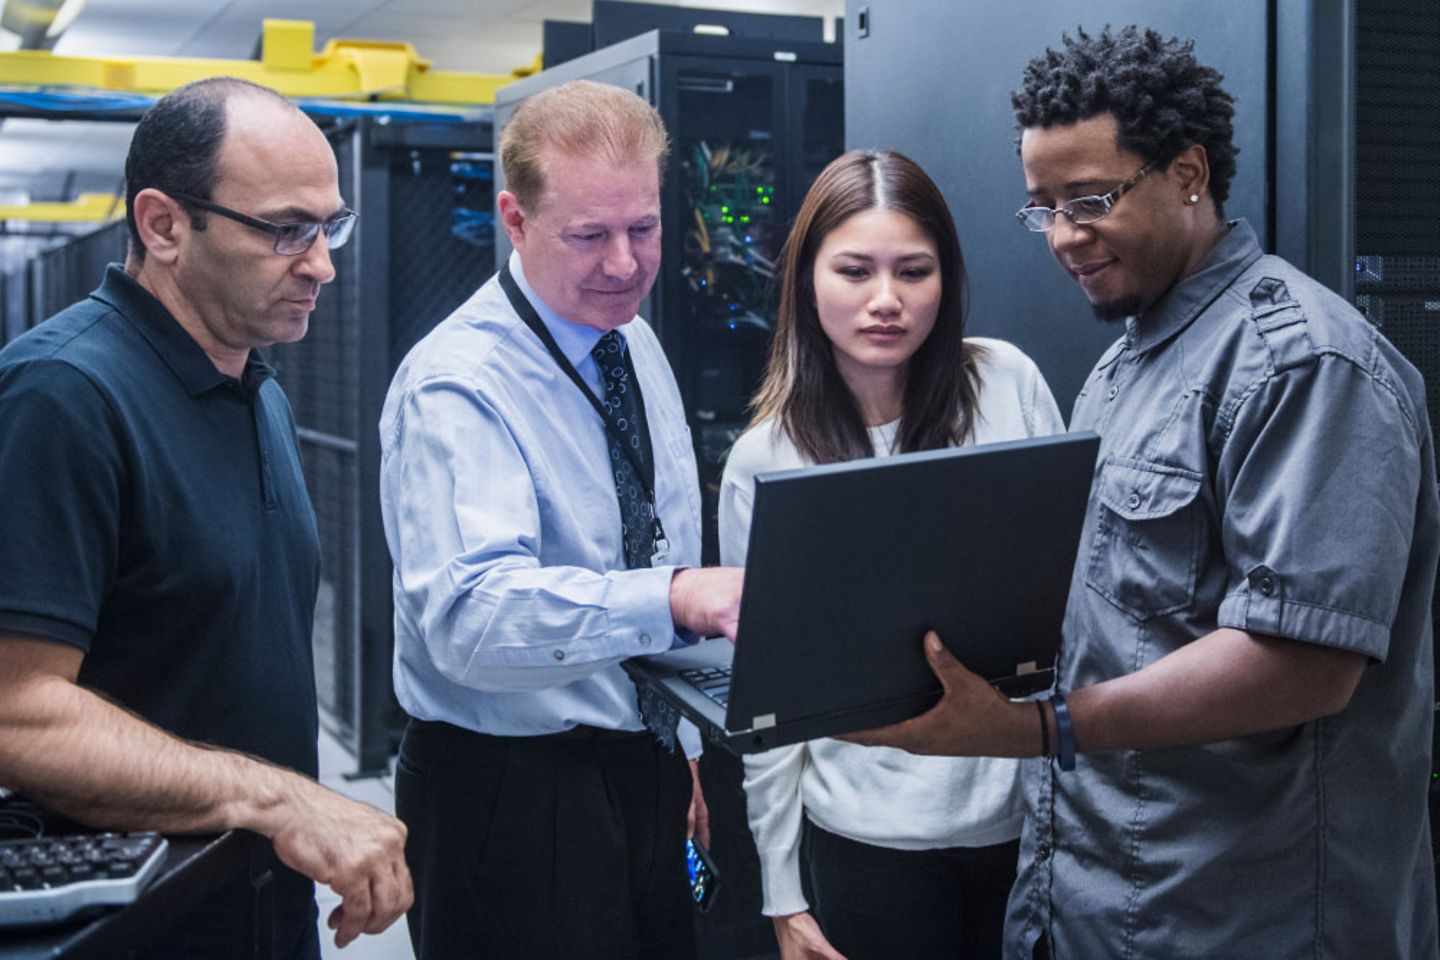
point(1261, 606)
point(780, 881)
point(639, 605)
point(684, 636)
point(689, 736)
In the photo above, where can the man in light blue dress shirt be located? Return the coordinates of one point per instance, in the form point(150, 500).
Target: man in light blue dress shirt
point(544, 819)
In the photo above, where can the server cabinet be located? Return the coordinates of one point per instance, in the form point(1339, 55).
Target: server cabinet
point(421, 247)
point(751, 122)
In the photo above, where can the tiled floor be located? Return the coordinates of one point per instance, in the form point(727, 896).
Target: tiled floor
point(394, 943)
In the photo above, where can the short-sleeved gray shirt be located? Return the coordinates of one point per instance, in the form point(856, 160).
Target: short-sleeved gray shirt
point(1266, 464)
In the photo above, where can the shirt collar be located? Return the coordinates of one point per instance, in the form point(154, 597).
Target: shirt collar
point(574, 339)
point(1185, 301)
point(170, 341)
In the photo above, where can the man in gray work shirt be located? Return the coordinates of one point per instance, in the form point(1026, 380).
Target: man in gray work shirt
point(1247, 647)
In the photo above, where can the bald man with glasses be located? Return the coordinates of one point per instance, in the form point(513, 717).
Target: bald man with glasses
point(159, 549)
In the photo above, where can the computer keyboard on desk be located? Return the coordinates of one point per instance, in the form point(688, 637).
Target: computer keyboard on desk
point(50, 879)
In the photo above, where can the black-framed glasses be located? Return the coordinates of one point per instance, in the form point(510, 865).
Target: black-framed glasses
point(291, 239)
point(1081, 210)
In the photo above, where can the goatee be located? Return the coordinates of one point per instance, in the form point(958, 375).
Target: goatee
point(1116, 311)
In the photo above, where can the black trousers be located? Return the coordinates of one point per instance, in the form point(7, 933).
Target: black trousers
point(570, 845)
point(877, 902)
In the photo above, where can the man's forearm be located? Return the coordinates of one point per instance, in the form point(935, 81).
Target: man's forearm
point(1226, 684)
point(99, 764)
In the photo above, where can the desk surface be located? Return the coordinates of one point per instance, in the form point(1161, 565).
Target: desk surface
point(194, 867)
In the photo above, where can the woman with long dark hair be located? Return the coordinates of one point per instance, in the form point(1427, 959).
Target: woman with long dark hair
point(908, 856)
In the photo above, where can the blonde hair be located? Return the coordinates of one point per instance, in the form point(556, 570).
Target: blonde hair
point(580, 118)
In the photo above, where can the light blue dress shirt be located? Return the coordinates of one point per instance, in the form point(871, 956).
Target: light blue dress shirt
point(513, 607)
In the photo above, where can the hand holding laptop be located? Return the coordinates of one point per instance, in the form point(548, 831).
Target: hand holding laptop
point(972, 719)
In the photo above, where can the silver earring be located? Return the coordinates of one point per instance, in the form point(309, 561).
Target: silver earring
point(1194, 199)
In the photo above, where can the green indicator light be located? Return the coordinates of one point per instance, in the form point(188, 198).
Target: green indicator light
point(764, 199)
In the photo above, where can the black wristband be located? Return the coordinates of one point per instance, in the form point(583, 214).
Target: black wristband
point(1044, 729)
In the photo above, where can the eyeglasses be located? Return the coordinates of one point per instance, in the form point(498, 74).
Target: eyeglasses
point(1081, 210)
point(291, 239)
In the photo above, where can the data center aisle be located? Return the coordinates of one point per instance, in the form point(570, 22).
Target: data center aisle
point(393, 944)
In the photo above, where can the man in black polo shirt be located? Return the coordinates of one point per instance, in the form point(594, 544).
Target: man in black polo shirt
point(158, 548)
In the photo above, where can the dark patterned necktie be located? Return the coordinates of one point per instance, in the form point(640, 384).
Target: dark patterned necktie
point(625, 407)
point(629, 444)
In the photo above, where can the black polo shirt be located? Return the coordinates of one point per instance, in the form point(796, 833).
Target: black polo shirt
point(153, 513)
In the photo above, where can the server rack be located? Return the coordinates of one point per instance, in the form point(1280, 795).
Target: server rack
point(1388, 239)
point(55, 278)
point(752, 122)
point(1394, 175)
point(423, 245)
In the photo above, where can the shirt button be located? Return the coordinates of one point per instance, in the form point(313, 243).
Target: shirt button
point(559, 654)
point(1133, 502)
point(1267, 585)
point(1113, 392)
point(1042, 852)
point(644, 639)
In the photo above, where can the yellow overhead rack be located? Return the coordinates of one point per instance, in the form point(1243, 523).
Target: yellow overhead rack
point(94, 207)
point(344, 70)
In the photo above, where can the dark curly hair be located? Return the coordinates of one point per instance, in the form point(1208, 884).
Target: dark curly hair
point(1161, 98)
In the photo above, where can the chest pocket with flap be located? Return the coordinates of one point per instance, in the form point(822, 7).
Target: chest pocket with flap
point(1147, 537)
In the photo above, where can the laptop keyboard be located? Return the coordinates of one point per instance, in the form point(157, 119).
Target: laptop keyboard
point(714, 682)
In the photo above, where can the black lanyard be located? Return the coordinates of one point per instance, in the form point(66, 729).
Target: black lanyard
point(527, 312)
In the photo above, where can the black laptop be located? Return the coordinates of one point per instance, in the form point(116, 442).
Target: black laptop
point(849, 564)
